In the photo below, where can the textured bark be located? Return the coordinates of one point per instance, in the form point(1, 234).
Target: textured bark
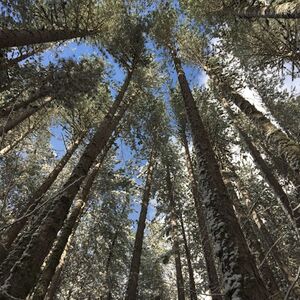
point(67, 230)
point(17, 38)
point(213, 280)
point(281, 196)
point(131, 293)
point(12, 232)
point(192, 285)
point(252, 239)
point(175, 238)
point(17, 141)
point(290, 10)
point(5, 112)
point(241, 277)
point(10, 124)
point(27, 268)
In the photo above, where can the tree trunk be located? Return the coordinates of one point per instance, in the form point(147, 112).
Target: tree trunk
point(192, 285)
point(213, 280)
point(175, 237)
point(11, 124)
point(7, 111)
point(131, 293)
point(241, 277)
point(280, 194)
point(22, 37)
point(290, 10)
point(28, 266)
point(253, 241)
point(16, 227)
point(67, 230)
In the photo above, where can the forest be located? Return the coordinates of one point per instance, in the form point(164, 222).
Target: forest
point(150, 149)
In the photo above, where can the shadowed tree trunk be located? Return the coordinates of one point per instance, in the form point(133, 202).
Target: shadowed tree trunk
point(131, 292)
point(241, 277)
point(175, 238)
point(21, 220)
point(68, 229)
point(26, 268)
point(253, 241)
point(213, 280)
point(22, 37)
point(193, 293)
point(10, 124)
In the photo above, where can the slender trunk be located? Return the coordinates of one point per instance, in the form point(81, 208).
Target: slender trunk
point(253, 241)
point(18, 140)
point(175, 237)
point(67, 230)
point(36, 198)
point(11, 124)
point(192, 285)
point(290, 10)
point(22, 37)
point(131, 293)
point(241, 277)
point(280, 194)
point(28, 266)
point(213, 280)
point(5, 112)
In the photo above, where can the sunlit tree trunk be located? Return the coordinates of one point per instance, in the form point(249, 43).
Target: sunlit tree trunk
point(26, 269)
point(241, 277)
point(131, 292)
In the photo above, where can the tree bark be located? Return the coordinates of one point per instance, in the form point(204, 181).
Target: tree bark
point(253, 241)
point(36, 198)
point(131, 292)
point(28, 266)
point(175, 238)
point(290, 10)
point(192, 285)
point(213, 280)
point(11, 124)
point(22, 37)
point(67, 230)
point(241, 277)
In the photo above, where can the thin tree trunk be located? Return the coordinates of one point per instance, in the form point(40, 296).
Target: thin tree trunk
point(241, 277)
point(5, 112)
point(11, 124)
point(175, 237)
point(68, 229)
point(192, 285)
point(289, 10)
point(213, 280)
point(17, 38)
point(15, 228)
point(28, 266)
point(131, 292)
point(280, 194)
